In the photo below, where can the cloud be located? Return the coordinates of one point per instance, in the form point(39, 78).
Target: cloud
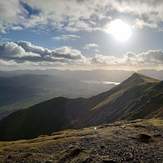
point(16, 28)
point(105, 60)
point(11, 12)
point(66, 37)
point(23, 51)
point(76, 15)
point(13, 50)
point(68, 52)
point(54, 13)
point(140, 23)
point(149, 57)
point(90, 46)
point(24, 55)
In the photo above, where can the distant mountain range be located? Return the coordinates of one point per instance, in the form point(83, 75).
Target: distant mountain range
point(137, 97)
point(24, 88)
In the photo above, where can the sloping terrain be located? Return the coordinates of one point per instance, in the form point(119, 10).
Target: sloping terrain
point(137, 97)
point(120, 142)
point(19, 91)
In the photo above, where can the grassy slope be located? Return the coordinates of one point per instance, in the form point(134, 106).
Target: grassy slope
point(126, 100)
point(135, 141)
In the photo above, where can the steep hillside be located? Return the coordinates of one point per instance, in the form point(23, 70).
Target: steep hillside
point(127, 100)
point(139, 141)
point(137, 97)
point(43, 118)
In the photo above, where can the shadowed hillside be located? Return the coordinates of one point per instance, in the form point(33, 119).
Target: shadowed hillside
point(24, 89)
point(137, 97)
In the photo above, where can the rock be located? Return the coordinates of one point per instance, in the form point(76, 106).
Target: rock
point(87, 160)
point(129, 156)
point(27, 155)
point(157, 135)
point(75, 152)
point(9, 157)
point(49, 161)
point(71, 146)
point(70, 155)
point(102, 146)
point(108, 161)
point(144, 138)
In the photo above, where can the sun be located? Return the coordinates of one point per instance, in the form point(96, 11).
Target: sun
point(120, 30)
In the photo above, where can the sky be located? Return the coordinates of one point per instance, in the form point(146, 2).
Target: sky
point(81, 34)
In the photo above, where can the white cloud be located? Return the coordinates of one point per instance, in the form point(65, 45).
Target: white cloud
point(68, 52)
point(23, 51)
point(16, 28)
point(140, 23)
point(148, 59)
point(24, 55)
point(80, 13)
point(91, 45)
point(11, 12)
point(66, 37)
point(75, 15)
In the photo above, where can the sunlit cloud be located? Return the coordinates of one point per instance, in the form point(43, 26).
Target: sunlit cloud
point(24, 53)
point(90, 46)
point(76, 15)
point(66, 37)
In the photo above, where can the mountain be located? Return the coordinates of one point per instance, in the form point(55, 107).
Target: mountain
point(22, 91)
point(25, 90)
point(129, 100)
point(137, 97)
point(119, 142)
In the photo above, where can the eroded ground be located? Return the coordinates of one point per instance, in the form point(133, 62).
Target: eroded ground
point(138, 141)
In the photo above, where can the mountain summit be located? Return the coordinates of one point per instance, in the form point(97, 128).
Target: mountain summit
point(138, 78)
point(137, 97)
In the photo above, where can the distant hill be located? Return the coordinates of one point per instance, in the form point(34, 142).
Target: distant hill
point(25, 90)
point(137, 97)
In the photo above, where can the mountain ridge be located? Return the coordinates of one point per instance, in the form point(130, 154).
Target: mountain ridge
point(136, 97)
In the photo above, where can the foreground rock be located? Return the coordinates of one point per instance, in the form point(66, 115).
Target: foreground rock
point(135, 141)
